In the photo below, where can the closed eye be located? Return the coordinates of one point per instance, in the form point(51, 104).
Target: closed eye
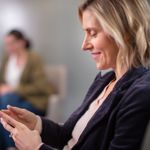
point(93, 33)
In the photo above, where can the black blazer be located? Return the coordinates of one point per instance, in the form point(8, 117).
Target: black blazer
point(119, 123)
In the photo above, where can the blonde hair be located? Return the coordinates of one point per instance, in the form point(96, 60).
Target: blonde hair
point(127, 22)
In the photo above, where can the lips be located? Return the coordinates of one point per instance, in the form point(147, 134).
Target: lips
point(96, 55)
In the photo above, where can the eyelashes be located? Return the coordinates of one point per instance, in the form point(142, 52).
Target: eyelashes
point(93, 33)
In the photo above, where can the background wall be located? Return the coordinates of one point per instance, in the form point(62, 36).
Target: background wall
point(56, 32)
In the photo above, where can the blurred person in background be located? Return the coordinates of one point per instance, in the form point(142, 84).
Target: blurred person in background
point(22, 80)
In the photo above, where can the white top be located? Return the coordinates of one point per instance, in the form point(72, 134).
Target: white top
point(13, 72)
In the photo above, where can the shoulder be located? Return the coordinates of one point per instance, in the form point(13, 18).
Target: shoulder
point(139, 93)
point(142, 84)
point(4, 57)
point(3, 62)
point(34, 57)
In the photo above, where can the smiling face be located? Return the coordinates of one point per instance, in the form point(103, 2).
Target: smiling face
point(103, 49)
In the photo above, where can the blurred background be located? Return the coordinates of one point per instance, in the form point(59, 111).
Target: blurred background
point(55, 31)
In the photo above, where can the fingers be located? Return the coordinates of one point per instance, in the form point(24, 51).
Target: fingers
point(7, 126)
point(19, 144)
point(8, 112)
point(14, 133)
point(8, 119)
point(16, 110)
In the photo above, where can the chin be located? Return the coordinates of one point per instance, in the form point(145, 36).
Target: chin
point(101, 67)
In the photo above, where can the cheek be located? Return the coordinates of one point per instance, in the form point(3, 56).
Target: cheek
point(109, 51)
point(102, 42)
point(10, 47)
point(103, 45)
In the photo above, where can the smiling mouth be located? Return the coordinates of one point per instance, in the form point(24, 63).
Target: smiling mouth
point(96, 54)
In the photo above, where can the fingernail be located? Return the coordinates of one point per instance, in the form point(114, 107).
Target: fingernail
point(8, 106)
point(3, 122)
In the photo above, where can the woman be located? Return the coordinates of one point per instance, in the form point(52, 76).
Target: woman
point(22, 79)
point(115, 111)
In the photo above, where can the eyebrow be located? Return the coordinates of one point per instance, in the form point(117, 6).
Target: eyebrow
point(88, 29)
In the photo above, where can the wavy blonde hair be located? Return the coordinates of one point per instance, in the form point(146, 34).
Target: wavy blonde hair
point(127, 22)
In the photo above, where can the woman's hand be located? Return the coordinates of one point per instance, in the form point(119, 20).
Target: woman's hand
point(24, 138)
point(22, 115)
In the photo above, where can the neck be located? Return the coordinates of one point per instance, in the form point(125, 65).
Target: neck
point(120, 72)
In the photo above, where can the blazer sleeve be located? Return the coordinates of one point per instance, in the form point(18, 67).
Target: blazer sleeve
point(132, 120)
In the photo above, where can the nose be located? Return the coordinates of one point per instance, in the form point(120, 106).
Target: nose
point(86, 45)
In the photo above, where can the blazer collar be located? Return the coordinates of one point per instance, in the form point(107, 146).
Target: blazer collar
point(130, 76)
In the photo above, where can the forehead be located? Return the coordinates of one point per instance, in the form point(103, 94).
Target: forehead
point(10, 37)
point(89, 20)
